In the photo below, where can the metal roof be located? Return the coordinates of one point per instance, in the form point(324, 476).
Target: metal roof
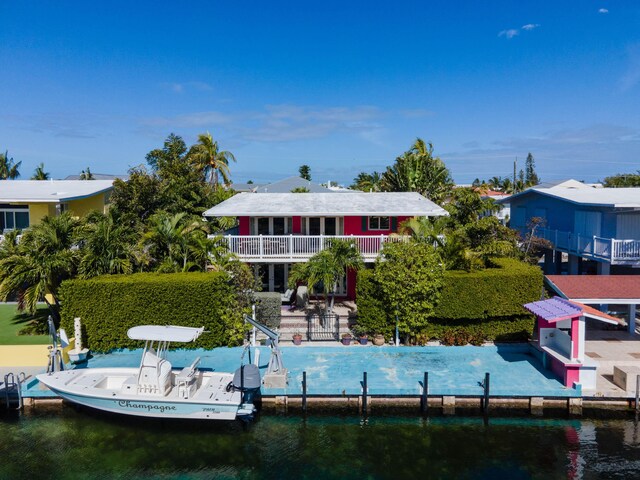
point(588, 196)
point(326, 204)
point(554, 309)
point(164, 333)
point(50, 191)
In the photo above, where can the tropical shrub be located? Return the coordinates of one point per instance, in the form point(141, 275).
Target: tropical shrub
point(485, 303)
point(407, 280)
point(109, 305)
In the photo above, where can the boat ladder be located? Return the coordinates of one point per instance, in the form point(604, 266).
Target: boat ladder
point(13, 390)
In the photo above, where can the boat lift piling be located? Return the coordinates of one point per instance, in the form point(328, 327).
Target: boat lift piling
point(485, 399)
point(304, 391)
point(424, 399)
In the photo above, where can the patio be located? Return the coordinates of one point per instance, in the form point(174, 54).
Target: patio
point(611, 348)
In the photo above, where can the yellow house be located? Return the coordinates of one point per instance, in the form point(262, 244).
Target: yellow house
point(25, 202)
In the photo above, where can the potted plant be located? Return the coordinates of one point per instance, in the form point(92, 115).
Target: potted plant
point(378, 340)
point(346, 338)
point(361, 334)
point(297, 338)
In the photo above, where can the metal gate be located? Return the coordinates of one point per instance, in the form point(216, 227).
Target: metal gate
point(323, 326)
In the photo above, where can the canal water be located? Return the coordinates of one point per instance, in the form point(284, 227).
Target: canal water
point(63, 443)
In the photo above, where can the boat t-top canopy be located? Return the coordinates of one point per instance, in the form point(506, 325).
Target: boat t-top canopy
point(164, 333)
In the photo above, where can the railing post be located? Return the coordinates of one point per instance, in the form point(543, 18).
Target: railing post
point(593, 247)
point(321, 242)
point(290, 246)
point(612, 253)
point(260, 246)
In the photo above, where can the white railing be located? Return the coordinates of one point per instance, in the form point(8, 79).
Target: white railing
point(299, 248)
point(611, 249)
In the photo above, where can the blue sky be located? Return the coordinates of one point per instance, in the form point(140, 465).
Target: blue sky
point(341, 86)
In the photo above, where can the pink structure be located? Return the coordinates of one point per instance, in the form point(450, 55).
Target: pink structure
point(560, 336)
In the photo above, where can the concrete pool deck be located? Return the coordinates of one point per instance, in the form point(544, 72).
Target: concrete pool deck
point(392, 371)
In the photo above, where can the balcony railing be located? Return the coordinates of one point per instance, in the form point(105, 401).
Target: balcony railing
point(299, 248)
point(616, 252)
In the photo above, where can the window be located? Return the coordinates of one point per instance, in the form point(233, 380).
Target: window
point(11, 219)
point(379, 223)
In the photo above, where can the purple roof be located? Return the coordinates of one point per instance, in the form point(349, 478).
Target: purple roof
point(554, 309)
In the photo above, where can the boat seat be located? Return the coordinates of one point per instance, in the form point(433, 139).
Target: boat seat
point(186, 379)
point(155, 375)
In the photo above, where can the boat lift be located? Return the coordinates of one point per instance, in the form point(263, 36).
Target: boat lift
point(276, 374)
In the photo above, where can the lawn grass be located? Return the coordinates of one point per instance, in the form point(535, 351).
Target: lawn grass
point(11, 322)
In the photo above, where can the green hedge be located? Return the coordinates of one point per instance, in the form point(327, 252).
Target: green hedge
point(484, 305)
point(490, 293)
point(268, 308)
point(111, 304)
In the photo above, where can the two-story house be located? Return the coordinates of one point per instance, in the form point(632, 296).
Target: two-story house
point(25, 202)
point(279, 229)
point(594, 226)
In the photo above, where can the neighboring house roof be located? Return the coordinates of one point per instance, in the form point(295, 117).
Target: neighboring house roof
point(100, 176)
point(244, 187)
point(50, 191)
point(570, 183)
point(287, 184)
point(592, 288)
point(588, 196)
point(326, 204)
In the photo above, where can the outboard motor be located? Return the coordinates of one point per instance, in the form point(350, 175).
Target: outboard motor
point(246, 379)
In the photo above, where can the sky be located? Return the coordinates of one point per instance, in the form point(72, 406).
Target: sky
point(342, 86)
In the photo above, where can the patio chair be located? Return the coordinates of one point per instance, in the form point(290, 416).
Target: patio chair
point(287, 296)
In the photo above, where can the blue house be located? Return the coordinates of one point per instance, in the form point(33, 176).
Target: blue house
point(599, 228)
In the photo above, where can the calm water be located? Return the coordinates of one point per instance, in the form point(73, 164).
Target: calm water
point(69, 444)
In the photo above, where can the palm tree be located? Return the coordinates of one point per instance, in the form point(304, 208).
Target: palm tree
point(178, 243)
point(211, 160)
point(327, 267)
point(39, 173)
point(417, 170)
point(425, 229)
point(8, 169)
point(40, 262)
point(107, 247)
point(368, 182)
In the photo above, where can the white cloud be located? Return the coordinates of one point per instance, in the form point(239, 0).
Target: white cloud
point(280, 123)
point(512, 32)
point(603, 10)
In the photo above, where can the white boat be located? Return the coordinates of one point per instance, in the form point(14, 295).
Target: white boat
point(154, 389)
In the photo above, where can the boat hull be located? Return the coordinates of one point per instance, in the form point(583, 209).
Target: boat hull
point(66, 385)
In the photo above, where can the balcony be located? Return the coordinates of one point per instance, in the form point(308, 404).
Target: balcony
point(611, 250)
point(299, 248)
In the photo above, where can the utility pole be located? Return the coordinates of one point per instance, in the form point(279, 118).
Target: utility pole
point(515, 163)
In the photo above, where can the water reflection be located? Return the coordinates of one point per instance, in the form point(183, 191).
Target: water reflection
point(69, 444)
